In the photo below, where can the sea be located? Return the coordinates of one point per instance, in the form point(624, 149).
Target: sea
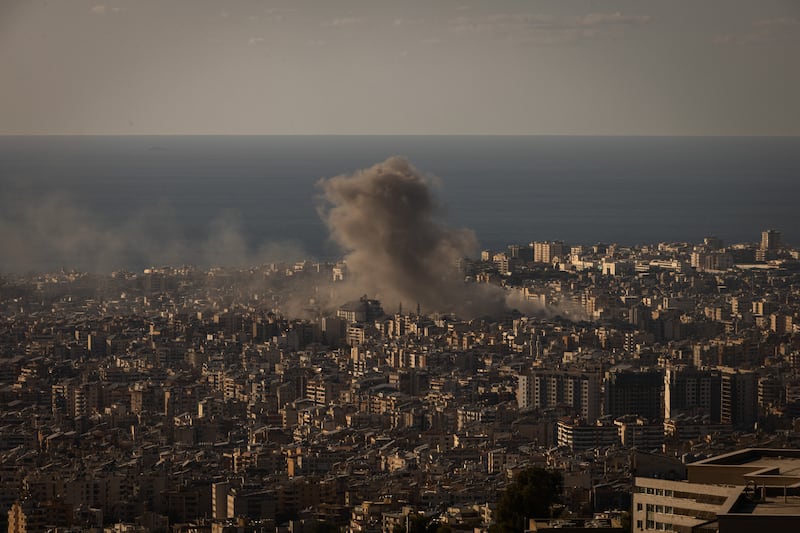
point(109, 202)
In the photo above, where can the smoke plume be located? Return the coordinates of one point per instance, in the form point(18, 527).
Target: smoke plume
point(45, 233)
point(397, 246)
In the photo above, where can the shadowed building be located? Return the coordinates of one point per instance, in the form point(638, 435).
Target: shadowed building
point(635, 393)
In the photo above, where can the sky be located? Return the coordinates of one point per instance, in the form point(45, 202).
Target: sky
point(485, 67)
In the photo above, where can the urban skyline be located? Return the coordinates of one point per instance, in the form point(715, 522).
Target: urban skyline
point(431, 266)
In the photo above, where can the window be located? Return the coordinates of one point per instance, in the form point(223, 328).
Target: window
point(638, 524)
point(668, 492)
point(638, 506)
point(659, 508)
point(650, 507)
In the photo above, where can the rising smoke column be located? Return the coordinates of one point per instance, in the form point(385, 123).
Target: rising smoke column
point(388, 222)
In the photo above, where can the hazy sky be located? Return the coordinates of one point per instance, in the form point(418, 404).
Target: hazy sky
point(683, 67)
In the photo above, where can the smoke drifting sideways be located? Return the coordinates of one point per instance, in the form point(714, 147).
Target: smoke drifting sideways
point(43, 233)
point(397, 245)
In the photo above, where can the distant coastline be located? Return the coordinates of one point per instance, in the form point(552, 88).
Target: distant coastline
point(145, 206)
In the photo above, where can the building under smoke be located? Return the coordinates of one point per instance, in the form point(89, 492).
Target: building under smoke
point(361, 310)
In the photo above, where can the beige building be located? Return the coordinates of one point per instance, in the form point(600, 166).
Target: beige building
point(736, 492)
point(548, 252)
point(551, 388)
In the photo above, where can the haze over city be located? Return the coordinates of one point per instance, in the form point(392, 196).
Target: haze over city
point(444, 266)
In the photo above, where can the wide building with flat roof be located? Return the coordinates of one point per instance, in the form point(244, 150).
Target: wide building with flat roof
point(730, 493)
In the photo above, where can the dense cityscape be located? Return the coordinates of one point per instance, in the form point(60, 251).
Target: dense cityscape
point(658, 386)
point(356, 266)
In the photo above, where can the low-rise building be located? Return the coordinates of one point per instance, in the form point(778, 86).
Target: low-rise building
point(731, 493)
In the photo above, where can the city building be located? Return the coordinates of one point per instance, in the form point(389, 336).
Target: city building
point(549, 251)
point(690, 390)
point(629, 392)
point(741, 491)
point(577, 390)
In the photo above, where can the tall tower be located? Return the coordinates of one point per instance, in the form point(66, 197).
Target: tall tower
point(635, 393)
point(739, 398)
point(545, 252)
point(770, 239)
point(692, 390)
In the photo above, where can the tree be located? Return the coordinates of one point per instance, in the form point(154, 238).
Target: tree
point(529, 495)
point(418, 523)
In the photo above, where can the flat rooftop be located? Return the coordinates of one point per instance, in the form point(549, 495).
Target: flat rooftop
point(787, 460)
point(778, 505)
point(787, 466)
point(772, 505)
point(771, 467)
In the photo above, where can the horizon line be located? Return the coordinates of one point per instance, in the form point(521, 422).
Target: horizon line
point(610, 135)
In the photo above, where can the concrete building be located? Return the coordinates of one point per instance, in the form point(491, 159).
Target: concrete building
point(578, 436)
point(692, 391)
point(547, 252)
point(501, 261)
point(361, 310)
point(736, 492)
point(739, 398)
point(636, 432)
point(551, 388)
point(770, 239)
point(634, 393)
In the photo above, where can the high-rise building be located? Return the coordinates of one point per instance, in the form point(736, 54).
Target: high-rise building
point(693, 391)
point(501, 261)
point(635, 393)
point(552, 388)
point(713, 243)
point(739, 398)
point(770, 239)
point(547, 252)
point(361, 310)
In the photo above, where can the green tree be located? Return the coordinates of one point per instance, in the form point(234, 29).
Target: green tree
point(529, 495)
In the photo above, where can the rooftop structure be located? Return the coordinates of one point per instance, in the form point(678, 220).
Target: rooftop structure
point(734, 492)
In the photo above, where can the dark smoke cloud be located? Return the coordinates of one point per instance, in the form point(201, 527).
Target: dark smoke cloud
point(397, 246)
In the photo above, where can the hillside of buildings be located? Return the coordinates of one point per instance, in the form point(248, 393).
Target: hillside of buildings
point(267, 399)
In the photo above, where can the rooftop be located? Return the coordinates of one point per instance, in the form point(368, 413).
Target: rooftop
point(778, 505)
point(755, 456)
point(770, 467)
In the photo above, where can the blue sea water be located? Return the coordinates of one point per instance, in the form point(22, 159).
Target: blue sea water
point(65, 199)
